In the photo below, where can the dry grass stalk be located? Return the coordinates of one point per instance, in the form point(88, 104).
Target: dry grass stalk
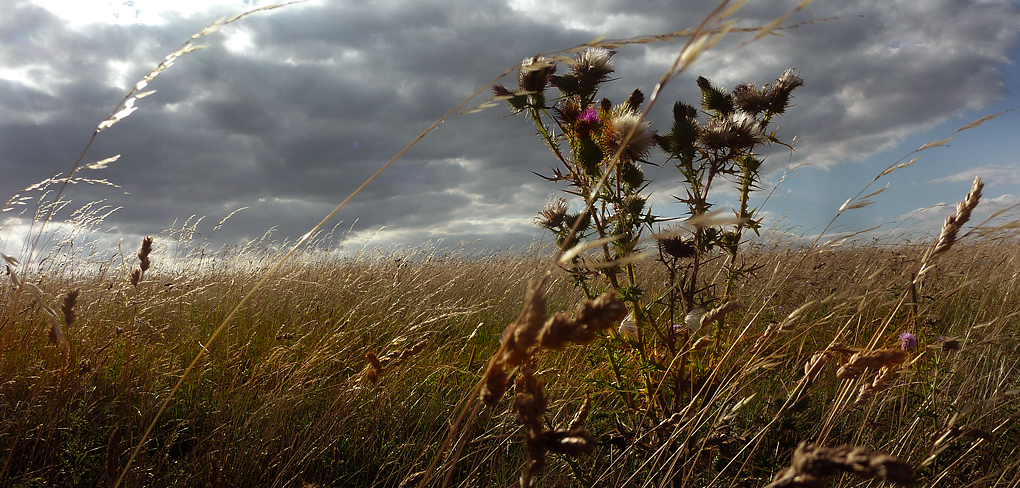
point(113, 451)
point(590, 318)
point(412, 479)
point(373, 369)
point(815, 364)
point(143, 261)
point(531, 330)
point(214, 480)
point(863, 360)
point(530, 404)
point(375, 365)
point(720, 311)
point(812, 465)
point(67, 308)
point(954, 222)
point(529, 334)
point(868, 390)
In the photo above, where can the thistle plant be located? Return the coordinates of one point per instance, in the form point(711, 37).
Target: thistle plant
point(602, 148)
point(722, 147)
point(601, 140)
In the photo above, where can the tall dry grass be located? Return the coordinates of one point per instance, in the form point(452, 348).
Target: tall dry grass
point(283, 364)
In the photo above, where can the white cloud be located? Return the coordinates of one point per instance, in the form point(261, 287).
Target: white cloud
point(992, 175)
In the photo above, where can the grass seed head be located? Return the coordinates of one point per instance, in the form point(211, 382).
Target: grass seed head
point(864, 360)
point(67, 308)
point(955, 221)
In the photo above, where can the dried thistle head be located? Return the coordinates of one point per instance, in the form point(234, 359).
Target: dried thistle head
point(593, 66)
point(551, 217)
point(618, 125)
point(777, 93)
point(749, 99)
point(676, 246)
point(533, 75)
point(737, 132)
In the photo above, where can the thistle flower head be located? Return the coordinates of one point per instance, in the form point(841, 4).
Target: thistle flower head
point(676, 246)
point(534, 74)
point(620, 123)
point(749, 99)
point(590, 116)
point(737, 132)
point(593, 65)
point(908, 342)
point(777, 93)
point(551, 217)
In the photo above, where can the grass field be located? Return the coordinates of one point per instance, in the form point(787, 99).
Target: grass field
point(286, 397)
point(701, 359)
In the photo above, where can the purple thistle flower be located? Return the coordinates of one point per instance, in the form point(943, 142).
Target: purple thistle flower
point(589, 116)
point(908, 342)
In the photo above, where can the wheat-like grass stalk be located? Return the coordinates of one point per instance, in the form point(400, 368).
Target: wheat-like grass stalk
point(953, 224)
point(812, 465)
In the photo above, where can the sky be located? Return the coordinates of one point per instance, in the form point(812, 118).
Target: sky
point(285, 112)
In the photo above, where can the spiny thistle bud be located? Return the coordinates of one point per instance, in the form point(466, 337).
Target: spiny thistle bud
point(635, 203)
point(634, 101)
point(534, 74)
point(517, 102)
point(633, 176)
point(605, 105)
point(714, 99)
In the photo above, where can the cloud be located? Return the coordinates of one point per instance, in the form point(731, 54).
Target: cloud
point(992, 175)
point(288, 111)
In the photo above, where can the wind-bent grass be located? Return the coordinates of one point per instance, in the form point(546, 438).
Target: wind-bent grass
point(285, 398)
point(896, 363)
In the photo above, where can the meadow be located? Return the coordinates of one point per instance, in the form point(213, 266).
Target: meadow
point(633, 352)
point(287, 397)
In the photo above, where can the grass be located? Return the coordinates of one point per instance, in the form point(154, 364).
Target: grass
point(288, 364)
point(284, 398)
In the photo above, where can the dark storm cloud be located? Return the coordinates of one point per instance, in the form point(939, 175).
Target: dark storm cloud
point(324, 94)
